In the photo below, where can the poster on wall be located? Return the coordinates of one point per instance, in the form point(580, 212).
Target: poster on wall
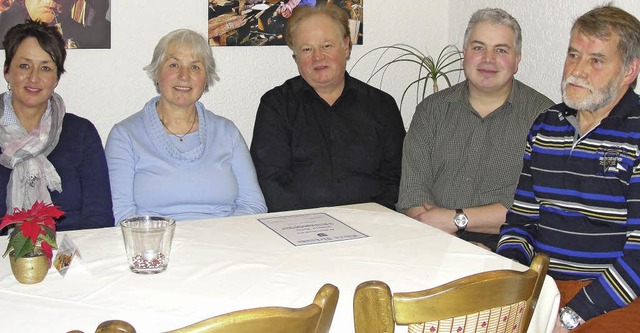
point(262, 22)
point(84, 24)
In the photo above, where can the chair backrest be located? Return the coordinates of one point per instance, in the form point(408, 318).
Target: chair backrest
point(314, 318)
point(495, 301)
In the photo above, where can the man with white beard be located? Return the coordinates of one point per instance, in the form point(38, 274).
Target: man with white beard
point(578, 198)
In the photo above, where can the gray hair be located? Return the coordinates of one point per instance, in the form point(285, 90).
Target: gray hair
point(183, 39)
point(494, 16)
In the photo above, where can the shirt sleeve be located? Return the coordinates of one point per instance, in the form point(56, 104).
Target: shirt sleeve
point(121, 163)
point(417, 178)
point(618, 284)
point(94, 179)
point(517, 234)
point(272, 155)
point(250, 199)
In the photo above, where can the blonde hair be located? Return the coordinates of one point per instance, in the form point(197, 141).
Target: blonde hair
point(337, 15)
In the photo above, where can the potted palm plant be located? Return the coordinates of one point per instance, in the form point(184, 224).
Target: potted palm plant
point(32, 240)
point(448, 62)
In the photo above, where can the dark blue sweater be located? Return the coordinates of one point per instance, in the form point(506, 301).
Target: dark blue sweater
point(80, 162)
point(578, 200)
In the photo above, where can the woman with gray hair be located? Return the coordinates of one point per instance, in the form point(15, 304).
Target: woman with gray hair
point(174, 157)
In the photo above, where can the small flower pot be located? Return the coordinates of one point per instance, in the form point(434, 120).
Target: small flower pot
point(30, 269)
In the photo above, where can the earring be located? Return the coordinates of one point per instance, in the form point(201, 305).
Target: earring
point(9, 86)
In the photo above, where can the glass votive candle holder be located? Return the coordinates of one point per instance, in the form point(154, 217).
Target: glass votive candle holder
point(147, 242)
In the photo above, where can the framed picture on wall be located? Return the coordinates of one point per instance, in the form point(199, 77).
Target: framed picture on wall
point(262, 22)
point(84, 24)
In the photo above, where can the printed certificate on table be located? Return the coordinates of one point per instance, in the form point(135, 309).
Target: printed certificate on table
point(304, 229)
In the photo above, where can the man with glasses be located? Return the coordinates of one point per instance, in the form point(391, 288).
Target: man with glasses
point(324, 138)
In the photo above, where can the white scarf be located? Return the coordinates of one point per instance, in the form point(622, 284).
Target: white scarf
point(26, 153)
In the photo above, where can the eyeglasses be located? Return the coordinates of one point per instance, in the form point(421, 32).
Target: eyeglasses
point(308, 51)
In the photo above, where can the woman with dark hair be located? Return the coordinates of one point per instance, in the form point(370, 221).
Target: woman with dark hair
point(47, 154)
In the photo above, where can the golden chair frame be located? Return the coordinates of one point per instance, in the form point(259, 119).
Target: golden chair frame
point(495, 301)
point(313, 318)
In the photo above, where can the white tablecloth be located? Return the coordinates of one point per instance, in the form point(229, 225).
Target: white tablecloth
point(222, 265)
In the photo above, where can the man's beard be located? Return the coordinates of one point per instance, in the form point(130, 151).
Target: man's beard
point(599, 97)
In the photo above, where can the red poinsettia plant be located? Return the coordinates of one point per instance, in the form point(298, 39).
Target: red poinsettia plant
point(33, 227)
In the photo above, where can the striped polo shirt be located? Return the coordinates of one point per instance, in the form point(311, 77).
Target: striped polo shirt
point(578, 200)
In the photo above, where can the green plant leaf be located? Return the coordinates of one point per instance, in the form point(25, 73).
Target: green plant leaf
point(449, 61)
point(49, 237)
point(21, 245)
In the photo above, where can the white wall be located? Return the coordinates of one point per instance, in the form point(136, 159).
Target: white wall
point(106, 86)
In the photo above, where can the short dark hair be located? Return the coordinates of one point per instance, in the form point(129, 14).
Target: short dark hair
point(601, 22)
point(49, 38)
point(337, 15)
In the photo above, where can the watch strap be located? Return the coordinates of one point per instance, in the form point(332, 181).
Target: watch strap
point(460, 215)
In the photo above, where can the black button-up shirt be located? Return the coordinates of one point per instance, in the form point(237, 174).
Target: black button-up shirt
point(310, 154)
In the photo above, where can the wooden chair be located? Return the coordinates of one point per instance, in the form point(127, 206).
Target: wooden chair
point(495, 301)
point(314, 318)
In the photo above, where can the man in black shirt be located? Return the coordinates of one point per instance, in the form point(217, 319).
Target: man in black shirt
point(324, 138)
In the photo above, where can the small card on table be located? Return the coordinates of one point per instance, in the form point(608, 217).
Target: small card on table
point(305, 229)
point(67, 250)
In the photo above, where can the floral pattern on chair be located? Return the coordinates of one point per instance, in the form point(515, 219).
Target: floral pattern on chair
point(506, 319)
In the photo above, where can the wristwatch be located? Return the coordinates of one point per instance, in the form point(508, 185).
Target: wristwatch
point(460, 220)
point(569, 319)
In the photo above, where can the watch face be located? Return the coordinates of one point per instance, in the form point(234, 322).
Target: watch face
point(461, 220)
point(569, 319)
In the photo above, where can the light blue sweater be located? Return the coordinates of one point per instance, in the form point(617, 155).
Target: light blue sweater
point(209, 174)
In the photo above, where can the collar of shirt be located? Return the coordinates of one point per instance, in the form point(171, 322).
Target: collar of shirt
point(463, 97)
point(9, 116)
point(348, 92)
point(627, 105)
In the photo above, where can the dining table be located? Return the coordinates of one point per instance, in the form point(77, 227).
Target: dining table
point(225, 264)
